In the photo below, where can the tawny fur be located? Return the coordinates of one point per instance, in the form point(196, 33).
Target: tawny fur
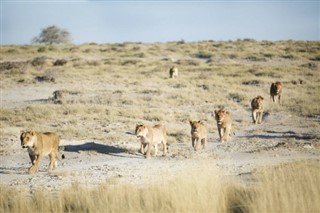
point(151, 136)
point(257, 109)
point(198, 134)
point(224, 123)
point(38, 145)
point(173, 72)
point(276, 90)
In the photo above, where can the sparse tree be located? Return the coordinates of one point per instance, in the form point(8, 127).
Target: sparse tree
point(52, 35)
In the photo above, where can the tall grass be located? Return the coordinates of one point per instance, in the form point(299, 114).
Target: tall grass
point(288, 188)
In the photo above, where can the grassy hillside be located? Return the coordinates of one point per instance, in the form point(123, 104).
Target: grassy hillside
point(99, 92)
point(111, 87)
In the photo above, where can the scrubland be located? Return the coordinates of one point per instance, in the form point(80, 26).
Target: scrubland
point(286, 188)
point(99, 92)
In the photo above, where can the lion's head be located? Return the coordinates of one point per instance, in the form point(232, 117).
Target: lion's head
point(221, 115)
point(27, 139)
point(276, 87)
point(195, 126)
point(141, 130)
point(259, 102)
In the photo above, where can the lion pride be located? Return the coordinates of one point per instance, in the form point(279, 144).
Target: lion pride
point(151, 136)
point(198, 134)
point(38, 145)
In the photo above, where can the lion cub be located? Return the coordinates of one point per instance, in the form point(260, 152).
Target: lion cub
point(173, 71)
point(150, 137)
point(257, 109)
point(224, 122)
point(40, 144)
point(198, 134)
point(276, 90)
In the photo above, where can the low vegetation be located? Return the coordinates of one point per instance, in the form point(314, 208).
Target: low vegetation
point(99, 92)
point(287, 188)
point(129, 83)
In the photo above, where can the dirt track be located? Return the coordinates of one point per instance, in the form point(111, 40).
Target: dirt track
point(281, 138)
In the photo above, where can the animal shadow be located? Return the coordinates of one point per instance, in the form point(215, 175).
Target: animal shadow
point(284, 135)
point(92, 146)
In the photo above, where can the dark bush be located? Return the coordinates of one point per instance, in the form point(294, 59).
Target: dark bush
point(39, 61)
point(252, 82)
point(8, 65)
point(60, 62)
point(42, 49)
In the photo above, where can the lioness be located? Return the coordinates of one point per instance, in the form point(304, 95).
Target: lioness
point(224, 122)
point(276, 90)
point(257, 109)
point(150, 137)
point(173, 71)
point(40, 144)
point(198, 134)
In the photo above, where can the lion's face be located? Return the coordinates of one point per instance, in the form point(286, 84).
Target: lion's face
point(259, 101)
point(195, 126)
point(141, 131)
point(220, 115)
point(27, 139)
point(278, 86)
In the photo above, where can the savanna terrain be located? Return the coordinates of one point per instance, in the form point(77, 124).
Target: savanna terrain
point(93, 95)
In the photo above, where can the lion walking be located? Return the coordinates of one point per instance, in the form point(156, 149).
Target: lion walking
point(150, 137)
point(276, 90)
point(198, 134)
point(173, 71)
point(257, 109)
point(224, 123)
point(39, 145)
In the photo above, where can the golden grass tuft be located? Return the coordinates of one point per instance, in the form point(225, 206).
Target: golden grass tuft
point(292, 187)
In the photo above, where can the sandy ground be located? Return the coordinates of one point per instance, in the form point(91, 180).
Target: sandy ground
point(281, 138)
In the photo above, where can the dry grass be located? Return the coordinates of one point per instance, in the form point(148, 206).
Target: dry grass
point(292, 187)
point(129, 83)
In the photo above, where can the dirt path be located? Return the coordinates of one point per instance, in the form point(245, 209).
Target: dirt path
point(281, 138)
point(92, 163)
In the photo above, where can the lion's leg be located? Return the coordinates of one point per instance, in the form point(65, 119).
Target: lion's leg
point(142, 147)
point(53, 162)
point(148, 153)
point(260, 117)
point(145, 147)
point(155, 150)
point(220, 133)
point(226, 134)
point(254, 116)
point(204, 142)
point(32, 158)
point(164, 146)
point(34, 168)
point(192, 141)
point(198, 144)
point(279, 97)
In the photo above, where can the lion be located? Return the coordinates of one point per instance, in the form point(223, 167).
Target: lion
point(150, 137)
point(257, 109)
point(198, 134)
point(38, 145)
point(276, 90)
point(224, 123)
point(173, 71)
